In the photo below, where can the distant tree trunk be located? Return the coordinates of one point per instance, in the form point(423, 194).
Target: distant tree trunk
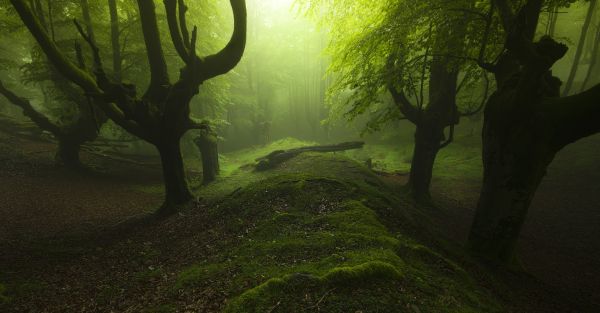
point(177, 191)
point(208, 146)
point(593, 61)
point(114, 36)
point(68, 153)
point(552, 19)
point(85, 10)
point(580, 48)
point(431, 122)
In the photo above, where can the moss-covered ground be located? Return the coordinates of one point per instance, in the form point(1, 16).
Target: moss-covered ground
point(310, 236)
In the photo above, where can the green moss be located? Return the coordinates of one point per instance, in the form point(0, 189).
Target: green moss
point(197, 274)
point(314, 226)
point(362, 273)
point(257, 299)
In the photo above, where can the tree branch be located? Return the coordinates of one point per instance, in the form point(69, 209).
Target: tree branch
point(410, 111)
point(183, 24)
point(156, 58)
point(226, 59)
point(90, 40)
point(28, 110)
point(577, 116)
point(60, 61)
point(507, 16)
point(176, 38)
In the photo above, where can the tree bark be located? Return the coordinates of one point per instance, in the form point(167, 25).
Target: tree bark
point(177, 191)
point(210, 157)
point(68, 153)
point(525, 124)
point(427, 146)
point(114, 36)
point(515, 159)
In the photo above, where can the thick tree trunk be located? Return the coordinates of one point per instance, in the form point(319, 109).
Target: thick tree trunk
point(514, 166)
point(210, 157)
point(427, 146)
point(68, 153)
point(177, 191)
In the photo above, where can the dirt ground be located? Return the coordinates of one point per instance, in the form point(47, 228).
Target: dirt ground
point(40, 199)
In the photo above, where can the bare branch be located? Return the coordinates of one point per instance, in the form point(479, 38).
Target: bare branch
point(408, 109)
point(156, 58)
point(450, 138)
point(28, 110)
point(173, 23)
point(183, 24)
point(60, 61)
point(226, 59)
point(90, 40)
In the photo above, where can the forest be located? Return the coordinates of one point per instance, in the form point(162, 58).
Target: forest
point(343, 156)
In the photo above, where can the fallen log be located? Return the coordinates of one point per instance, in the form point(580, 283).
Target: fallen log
point(277, 157)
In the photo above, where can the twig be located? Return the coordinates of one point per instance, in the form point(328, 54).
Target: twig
point(274, 307)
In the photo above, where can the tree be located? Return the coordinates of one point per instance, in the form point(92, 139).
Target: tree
point(415, 51)
point(161, 116)
point(71, 129)
point(526, 123)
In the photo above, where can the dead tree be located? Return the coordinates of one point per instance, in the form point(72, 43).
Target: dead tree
point(526, 124)
point(160, 116)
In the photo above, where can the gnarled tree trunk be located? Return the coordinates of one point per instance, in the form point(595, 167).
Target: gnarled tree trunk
point(177, 191)
point(526, 124)
point(161, 115)
point(209, 149)
point(516, 153)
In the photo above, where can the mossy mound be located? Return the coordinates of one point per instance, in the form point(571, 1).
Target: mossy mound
point(309, 237)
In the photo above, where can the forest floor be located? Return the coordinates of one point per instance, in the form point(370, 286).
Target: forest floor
point(59, 253)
